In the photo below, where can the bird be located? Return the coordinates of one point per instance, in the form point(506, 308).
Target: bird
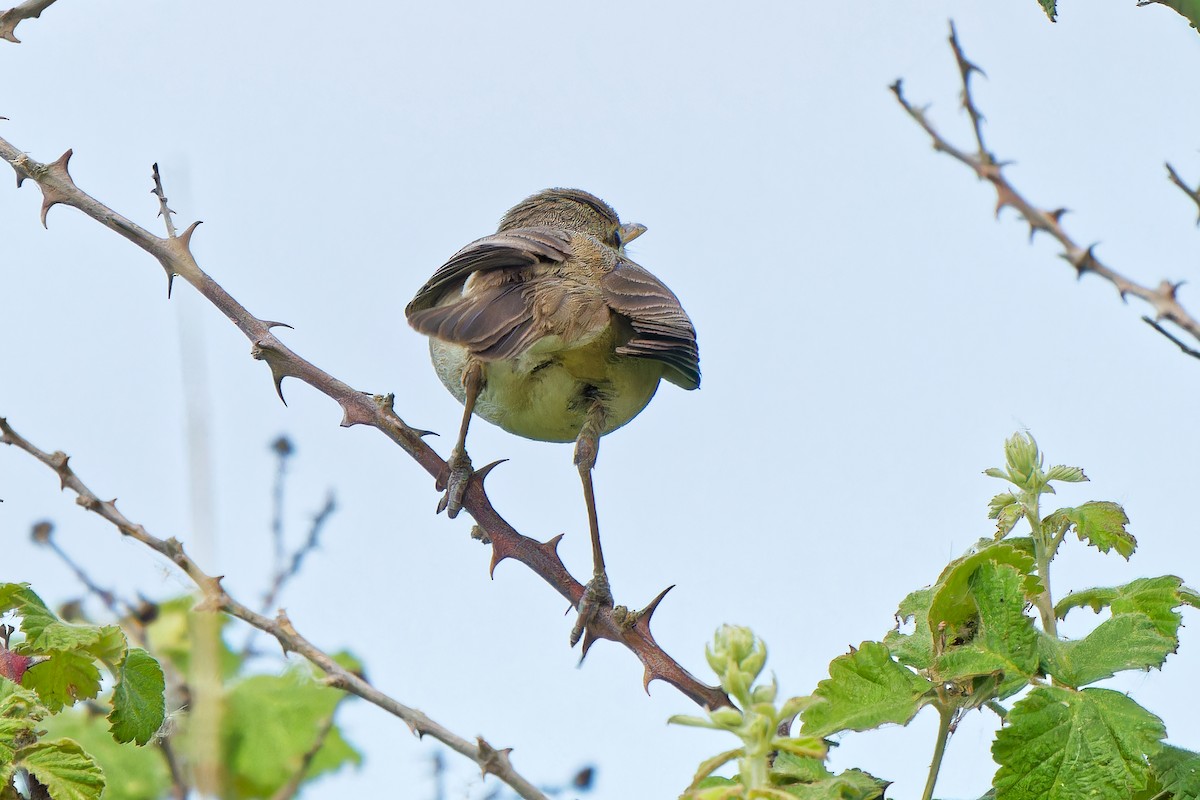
point(549, 330)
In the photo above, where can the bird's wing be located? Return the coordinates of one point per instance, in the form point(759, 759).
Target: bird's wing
point(494, 318)
point(661, 328)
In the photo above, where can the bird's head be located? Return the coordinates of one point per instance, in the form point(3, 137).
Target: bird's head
point(572, 210)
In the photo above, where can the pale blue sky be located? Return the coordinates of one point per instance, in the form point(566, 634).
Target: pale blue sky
point(868, 333)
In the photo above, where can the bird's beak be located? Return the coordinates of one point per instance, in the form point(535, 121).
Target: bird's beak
point(630, 231)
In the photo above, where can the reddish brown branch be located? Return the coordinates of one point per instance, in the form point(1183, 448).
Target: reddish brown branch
point(358, 408)
point(31, 9)
point(215, 598)
point(983, 163)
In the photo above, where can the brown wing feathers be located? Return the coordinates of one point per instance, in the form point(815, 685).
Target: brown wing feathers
point(495, 319)
point(662, 330)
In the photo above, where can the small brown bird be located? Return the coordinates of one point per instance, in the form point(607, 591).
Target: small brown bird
point(548, 330)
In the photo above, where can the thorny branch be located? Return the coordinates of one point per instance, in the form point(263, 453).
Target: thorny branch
point(9, 19)
point(1189, 191)
point(986, 167)
point(358, 408)
point(215, 598)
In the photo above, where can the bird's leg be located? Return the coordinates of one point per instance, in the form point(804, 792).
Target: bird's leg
point(458, 467)
point(597, 592)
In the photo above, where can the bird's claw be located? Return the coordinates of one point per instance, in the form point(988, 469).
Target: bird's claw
point(596, 595)
point(454, 480)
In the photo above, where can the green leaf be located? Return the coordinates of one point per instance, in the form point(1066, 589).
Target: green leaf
point(914, 649)
point(1060, 744)
point(1178, 772)
point(1188, 8)
point(1126, 641)
point(136, 773)
point(35, 617)
point(1099, 523)
point(111, 646)
point(64, 769)
point(809, 779)
point(1065, 474)
point(63, 636)
point(1004, 642)
point(138, 701)
point(952, 604)
point(1007, 511)
point(1050, 7)
point(270, 722)
point(865, 689)
point(1156, 598)
point(64, 679)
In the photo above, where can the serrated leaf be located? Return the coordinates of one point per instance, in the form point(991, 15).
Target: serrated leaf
point(804, 746)
point(852, 784)
point(1178, 772)
point(1156, 598)
point(809, 779)
point(1066, 474)
point(914, 649)
point(1190, 9)
point(13, 734)
point(1060, 744)
point(1126, 641)
point(1050, 7)
point(138, 702)
point(63, 636)
point(134, 773)
point(64, 679)
point(67, 772)
point(952, 604)
point(1099, 523)
point(8, 595)
point(1004, 641)
point(865, 689)
point(799, 768)
point(1007, 511)
point(35, 616)
point(111, 646)
point(270, 722)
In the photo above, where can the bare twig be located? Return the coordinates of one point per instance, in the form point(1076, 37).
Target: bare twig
point(293, 784)
point(1194, 353)
point(284, 573)
point(30, 9)
point(43, 534)
point(282, 446)
point(215, 598)
point(1189, 191)
point(1163, 298)
point(358, 408)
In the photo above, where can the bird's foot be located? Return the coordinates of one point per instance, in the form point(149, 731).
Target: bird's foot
point(596, 595)
point(454, 480)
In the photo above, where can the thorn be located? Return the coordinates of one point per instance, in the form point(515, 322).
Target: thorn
point(589, 639)
point(492, 760)
point(278, 376)
point(643, 616)
point(550, 546)
point(170, 283)
point(272, 324)
point(185, 238)
point(263, 351)
point(351, 415)
point(483, 471)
